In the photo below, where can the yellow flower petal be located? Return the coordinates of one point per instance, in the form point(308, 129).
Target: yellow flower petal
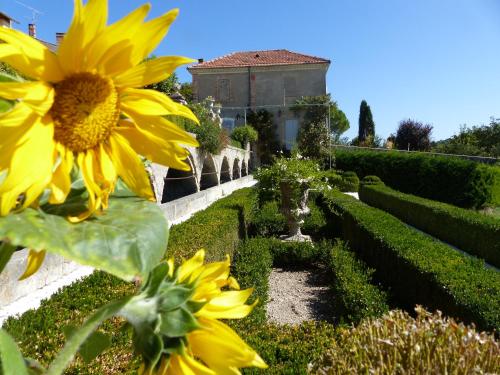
point(30, 165)
point(38, 96)
point(228, 305)
point(163, 128)
point(150, 71)
point(69, 51)
point(129, 167)
point(190, 265)
point(102, 53)
point(186, 365)
point(152, 103)
point(61, 181)
point(221, 348)
point(154, 148)
point(42, 63)
point(35, 260)
point(152, 33)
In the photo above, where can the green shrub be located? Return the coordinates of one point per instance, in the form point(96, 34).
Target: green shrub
point(400, 344)
point(453, 180)
point(268, 220)
point(350, 182)
point(470, 231)
point(332, 178)
point(245, 134)
point(371, 180)
point(352, 284)
point(419, 270)
point(286, 349)
point(217, 229)
point(315, 224)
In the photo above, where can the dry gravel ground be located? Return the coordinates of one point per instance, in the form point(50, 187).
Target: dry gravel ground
point(298, 295)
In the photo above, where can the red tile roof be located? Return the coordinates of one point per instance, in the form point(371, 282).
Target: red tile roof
point(260, 58)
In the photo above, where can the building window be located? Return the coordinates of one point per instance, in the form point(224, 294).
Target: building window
point(291, 132)
point(228, 123)
point(223, 90)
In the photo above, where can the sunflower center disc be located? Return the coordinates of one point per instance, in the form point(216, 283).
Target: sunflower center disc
point(85, 109)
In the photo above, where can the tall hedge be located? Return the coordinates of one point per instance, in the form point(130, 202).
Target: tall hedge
point(470, 231)
point(461, 182)
point(417, 268)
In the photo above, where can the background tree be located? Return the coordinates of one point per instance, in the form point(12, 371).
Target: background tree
point(186, 91)
point(366, 125)
point(479, 141)
point(413, 136)
point(314, 137)
point(267, 146)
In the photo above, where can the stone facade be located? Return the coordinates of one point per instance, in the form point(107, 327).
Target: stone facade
point(274, 88)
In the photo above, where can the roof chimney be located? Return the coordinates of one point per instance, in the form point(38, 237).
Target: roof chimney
point(200, 61)
point(59, 38)
point(32, 30)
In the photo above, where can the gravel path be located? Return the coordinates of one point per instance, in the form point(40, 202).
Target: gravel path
point(298, 295)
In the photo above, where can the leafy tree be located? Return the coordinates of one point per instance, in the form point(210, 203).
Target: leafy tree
point(267, 145)
point(244, 134)
point(413, 135)
point(365, 123)
point(314, 136)
point(479, 141)
point(186, 91)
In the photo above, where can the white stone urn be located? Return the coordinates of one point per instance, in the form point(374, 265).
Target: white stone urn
point(295, 212)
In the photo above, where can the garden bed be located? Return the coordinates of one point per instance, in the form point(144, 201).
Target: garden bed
point(348, 292)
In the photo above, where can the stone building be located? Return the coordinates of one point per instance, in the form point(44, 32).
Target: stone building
point(271, 79)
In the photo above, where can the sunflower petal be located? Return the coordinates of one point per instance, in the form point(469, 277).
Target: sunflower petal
point(38, 96)
point(187, 365)
point(129, 167)
point(151, 34)
point(119, 33)
point(42, 63)
point(150, 71)
point(222, 349)
point(154, 148)
point(70, 49)
point(61, 180)
point(163, 128)
point(30, 165)
point(190, 265)
point(35, 261)
point(153, 103)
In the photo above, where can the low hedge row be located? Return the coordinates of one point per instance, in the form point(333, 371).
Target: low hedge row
point(286, 349)
point(418, 269)
point(457, 181)
point(39, 333)
point(353, 286)
point(470, 231)
point(217, 229)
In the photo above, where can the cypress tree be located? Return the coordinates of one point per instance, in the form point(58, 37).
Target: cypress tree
point(366, 124)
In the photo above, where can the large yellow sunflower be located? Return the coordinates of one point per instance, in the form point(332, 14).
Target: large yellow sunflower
point(84, 106)
point(214, 348)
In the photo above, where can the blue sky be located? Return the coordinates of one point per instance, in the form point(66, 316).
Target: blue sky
point(436, 61)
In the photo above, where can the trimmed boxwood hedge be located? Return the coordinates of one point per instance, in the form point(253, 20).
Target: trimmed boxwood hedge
point(287, 349)
point(457, 181)
point(217, 229)
point(418, 269)
point(353, 286)
point(470, 231)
